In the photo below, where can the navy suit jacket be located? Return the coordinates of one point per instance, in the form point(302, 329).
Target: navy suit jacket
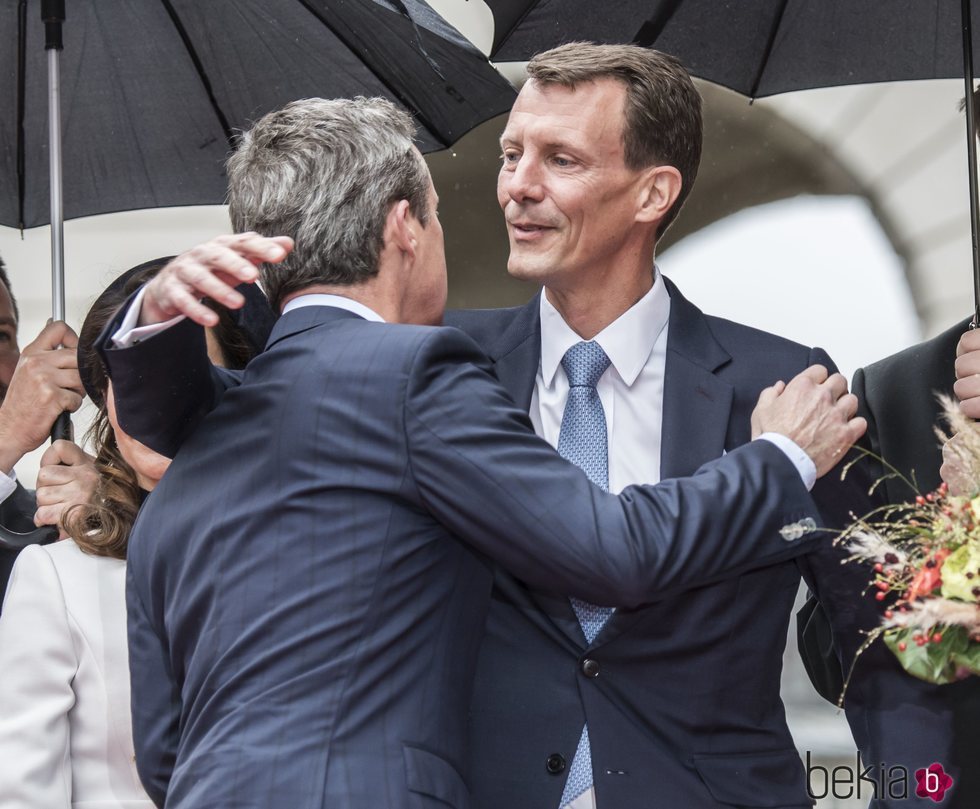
point(686, 711)
point(16, 514)
point(898, 397)
point(304, 623)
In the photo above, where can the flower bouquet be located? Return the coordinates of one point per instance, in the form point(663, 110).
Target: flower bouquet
point(926, 559)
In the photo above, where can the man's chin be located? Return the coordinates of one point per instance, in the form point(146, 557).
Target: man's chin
point(527, 270)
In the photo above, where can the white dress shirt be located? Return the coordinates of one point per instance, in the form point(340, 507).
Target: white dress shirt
point(129, 333)
point(631, 389)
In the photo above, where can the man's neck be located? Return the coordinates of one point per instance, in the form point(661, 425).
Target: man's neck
point(588, 311)
point(369, 294)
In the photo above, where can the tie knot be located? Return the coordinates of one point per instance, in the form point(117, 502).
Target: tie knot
point(584, 363)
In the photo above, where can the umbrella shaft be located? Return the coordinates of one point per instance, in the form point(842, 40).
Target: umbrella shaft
point(57, 214)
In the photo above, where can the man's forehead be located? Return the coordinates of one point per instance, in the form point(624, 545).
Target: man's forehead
point(566, 114)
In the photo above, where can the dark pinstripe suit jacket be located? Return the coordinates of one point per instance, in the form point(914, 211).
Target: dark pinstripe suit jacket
point(304, 626)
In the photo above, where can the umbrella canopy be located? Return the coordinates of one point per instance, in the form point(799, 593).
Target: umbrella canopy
point(755, 47)
point(154, 92)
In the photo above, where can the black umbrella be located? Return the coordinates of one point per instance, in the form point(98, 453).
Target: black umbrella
point(764, 47)
point(155, 91)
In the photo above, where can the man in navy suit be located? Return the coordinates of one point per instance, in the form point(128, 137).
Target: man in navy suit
point(304, 625)
point(679, 704)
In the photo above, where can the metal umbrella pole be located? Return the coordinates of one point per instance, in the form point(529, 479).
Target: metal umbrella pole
point(53, 15)
point(971, 151)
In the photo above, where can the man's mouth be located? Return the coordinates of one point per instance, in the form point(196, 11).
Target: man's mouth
point(524, 231)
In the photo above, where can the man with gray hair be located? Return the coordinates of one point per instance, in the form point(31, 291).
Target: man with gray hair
point(304, 621)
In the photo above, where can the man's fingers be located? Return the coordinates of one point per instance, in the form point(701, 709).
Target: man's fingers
point(815, 373)
point(57, 460)
point(969, 341)
point(770, 394)
point(53, 335)
point(848, 405)
point(52, 515)
point(836, 384)
point(187, 304)
point(971, 407)
point(967, 364)
point(856, 428)
point(204, 282)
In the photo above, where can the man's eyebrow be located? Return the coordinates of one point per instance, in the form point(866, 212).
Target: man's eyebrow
point(8, 321)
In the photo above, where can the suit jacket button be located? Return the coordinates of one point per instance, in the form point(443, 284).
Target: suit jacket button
point(590, 667)
point(555, 763)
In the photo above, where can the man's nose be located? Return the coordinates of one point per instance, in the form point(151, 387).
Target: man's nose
point(525, 182)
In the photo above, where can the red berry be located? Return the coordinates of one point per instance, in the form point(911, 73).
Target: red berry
point(920, 500)
point(883, 586)
point(920, 641)
point(889, 614)
point(880, 596)
point(937, 638)
point(903, 646)
point(879, 567)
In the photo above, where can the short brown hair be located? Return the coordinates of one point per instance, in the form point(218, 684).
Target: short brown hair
point(663, 107)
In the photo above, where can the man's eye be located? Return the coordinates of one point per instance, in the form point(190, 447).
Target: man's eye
point(563, 162)
point(510, 157)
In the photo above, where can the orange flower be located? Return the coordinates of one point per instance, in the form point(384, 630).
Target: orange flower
point(929, 576)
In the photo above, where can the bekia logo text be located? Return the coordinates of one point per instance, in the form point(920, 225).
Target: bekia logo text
point(892, 782)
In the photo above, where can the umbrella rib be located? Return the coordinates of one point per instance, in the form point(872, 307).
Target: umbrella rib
point(651, 30)
point(429, 126)
point(498, 43)
point(21, 80)
point(199, 68)
point(763, 63)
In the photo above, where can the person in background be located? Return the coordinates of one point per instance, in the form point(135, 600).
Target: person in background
point(898, 398)
point(65, 727)
point(36, 386)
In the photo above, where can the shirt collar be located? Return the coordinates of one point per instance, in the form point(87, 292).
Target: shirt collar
point(627, 341)
point(337, 301)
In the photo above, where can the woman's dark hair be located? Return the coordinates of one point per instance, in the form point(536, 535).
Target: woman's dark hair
point(101, 527)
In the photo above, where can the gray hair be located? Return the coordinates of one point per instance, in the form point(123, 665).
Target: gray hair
point(326, 173)
point(663, 107)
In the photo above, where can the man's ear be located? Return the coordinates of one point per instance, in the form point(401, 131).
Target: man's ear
point(659, 189)
point(400, 228)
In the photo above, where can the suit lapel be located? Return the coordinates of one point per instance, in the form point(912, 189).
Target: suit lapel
point(696, 409)
point(516, 354)
point(516, 357)
point(697, 403)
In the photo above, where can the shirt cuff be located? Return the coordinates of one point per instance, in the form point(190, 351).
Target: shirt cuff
point(8, 484)
point(129, 334)
point(803, 463)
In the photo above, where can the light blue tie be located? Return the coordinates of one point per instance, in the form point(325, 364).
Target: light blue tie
point(582, 440)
